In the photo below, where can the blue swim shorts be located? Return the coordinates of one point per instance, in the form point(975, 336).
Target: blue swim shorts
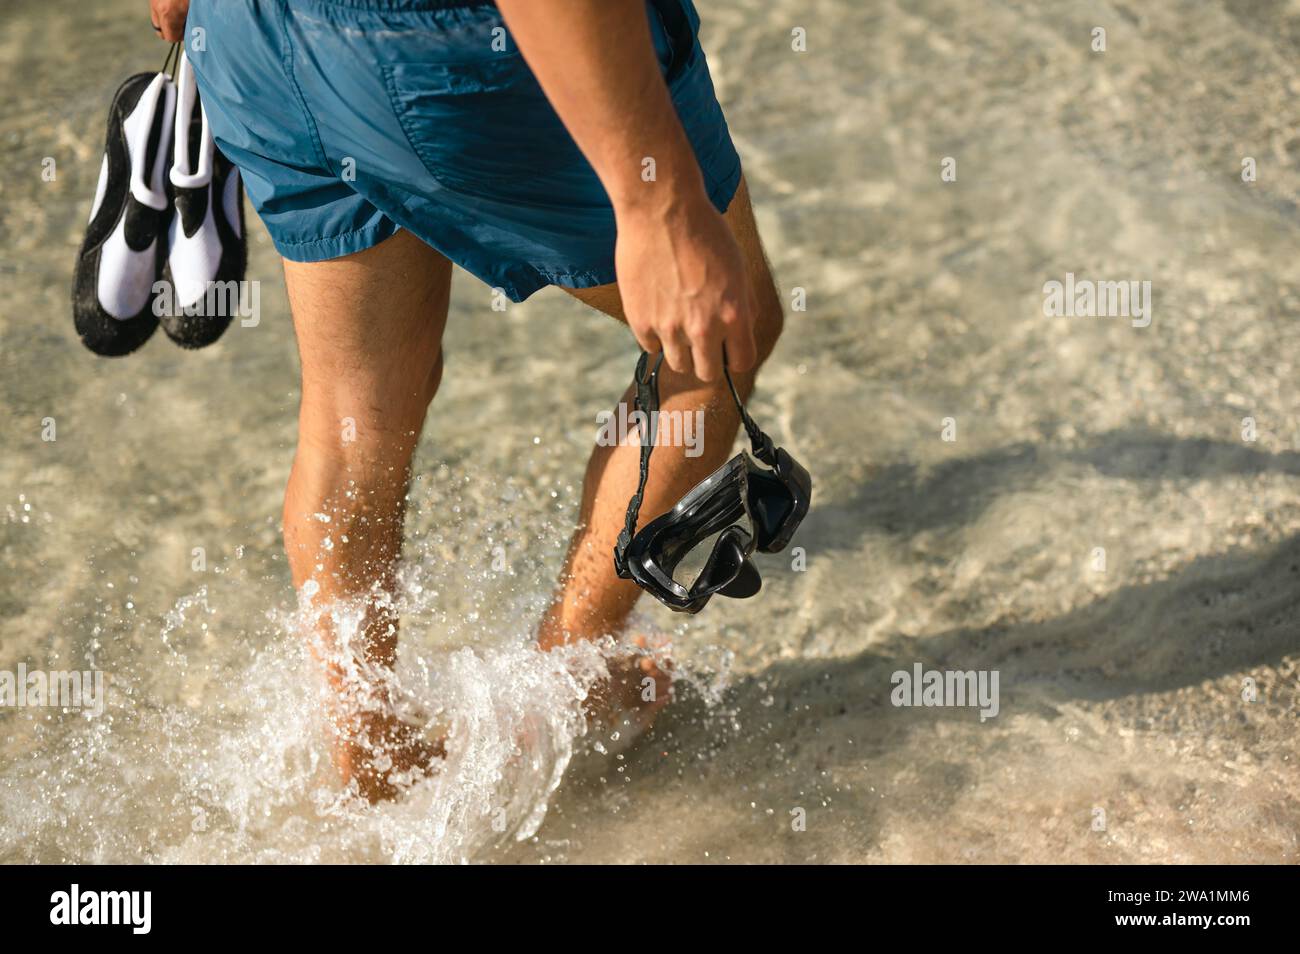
point(350, 119)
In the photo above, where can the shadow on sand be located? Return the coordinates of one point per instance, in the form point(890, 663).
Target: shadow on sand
point(904, 499)
point(778, 731)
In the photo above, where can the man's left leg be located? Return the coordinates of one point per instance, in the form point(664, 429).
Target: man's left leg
point(593, 601)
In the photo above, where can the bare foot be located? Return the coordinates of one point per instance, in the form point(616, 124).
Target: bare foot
point(371, 744)
point(640, 684)
point(382, 754)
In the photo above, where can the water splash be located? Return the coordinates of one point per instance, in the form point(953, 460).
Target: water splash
point(241, 772)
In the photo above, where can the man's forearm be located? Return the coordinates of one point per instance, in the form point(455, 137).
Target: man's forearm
point(597, 64)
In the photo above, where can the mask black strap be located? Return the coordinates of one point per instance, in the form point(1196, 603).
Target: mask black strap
point(762, 445)
point(647, 401)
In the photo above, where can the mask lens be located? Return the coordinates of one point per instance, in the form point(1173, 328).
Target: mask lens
point(771, 508)
point(718, 506)
point(770, 503)
point(725, 565)
point(778, 501)
point(692, 564)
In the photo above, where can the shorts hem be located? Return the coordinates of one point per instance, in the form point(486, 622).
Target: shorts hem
point(336, 246)
point(588, 278)
point(518, 287)
point(721, 192)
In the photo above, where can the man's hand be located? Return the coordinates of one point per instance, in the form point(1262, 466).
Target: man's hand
point(680, 272)
point(684, 287)
point(169, 18)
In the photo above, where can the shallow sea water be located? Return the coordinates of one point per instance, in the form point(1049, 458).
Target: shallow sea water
point(1123, 689)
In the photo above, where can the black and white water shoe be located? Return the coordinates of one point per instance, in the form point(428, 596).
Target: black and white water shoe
point(207, 252)
point(125, 246)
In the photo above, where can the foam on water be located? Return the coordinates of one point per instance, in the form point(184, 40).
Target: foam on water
point(243, 774)
point(213, 746)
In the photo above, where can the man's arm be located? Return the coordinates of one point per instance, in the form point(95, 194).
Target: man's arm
point(680, 271)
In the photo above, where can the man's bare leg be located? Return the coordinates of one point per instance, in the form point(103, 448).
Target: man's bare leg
point(369, 330)
point(593, 601)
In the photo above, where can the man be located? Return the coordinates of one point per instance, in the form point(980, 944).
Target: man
point(533, 142)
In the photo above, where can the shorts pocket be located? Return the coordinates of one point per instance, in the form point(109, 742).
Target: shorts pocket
point(478, 127)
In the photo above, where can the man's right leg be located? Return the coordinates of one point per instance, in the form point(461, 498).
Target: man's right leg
point(369, 329)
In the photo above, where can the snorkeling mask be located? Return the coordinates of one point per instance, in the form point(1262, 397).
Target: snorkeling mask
point(747, 505)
